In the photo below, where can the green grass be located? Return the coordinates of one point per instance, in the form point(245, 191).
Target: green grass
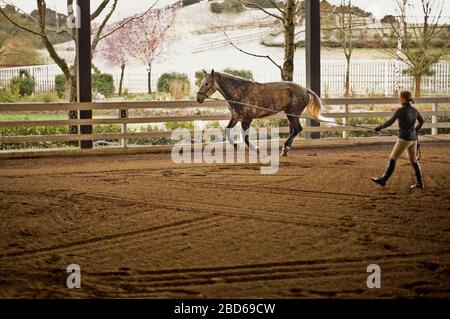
point(8, 97)
point(32, 117)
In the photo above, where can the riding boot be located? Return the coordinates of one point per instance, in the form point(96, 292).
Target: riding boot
point(419, 179)
point(387, 174)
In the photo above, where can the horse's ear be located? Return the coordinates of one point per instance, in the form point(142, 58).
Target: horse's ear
point(212, 72)
point(204, 72)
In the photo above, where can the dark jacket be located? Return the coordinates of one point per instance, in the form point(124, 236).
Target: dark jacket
point(406, 116)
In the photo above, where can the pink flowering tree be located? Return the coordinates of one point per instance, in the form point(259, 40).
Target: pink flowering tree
point(148, 35)
point(117, 49)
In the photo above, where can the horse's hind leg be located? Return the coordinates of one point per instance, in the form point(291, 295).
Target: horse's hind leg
point(295, 129)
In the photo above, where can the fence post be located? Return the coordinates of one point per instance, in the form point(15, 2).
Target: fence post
point(434, 119)
point(312, 55)
point(386, 78)
point(123, 114)
point(344, 121)
point(84, 65)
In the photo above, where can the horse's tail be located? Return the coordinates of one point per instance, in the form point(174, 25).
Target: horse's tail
point(315, 106)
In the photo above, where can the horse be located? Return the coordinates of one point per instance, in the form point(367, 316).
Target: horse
point(249, 100)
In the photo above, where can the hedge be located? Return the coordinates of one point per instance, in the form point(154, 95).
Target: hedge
point(60, 85)
point(166, 79)
point(246, 74)
point(199, 77)
point(22, 86)
point(228, 6)
point(103, 83)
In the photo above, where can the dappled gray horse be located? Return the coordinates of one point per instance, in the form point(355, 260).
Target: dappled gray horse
point(270, 98)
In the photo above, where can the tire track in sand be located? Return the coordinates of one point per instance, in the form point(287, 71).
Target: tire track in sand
point(269, 216)
point(157, 281)
point(109, 237)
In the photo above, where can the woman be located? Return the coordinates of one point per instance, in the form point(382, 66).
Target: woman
point(407, 139)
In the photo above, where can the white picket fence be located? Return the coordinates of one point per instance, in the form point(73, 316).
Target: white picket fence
point(368, 77)
point(44, 76)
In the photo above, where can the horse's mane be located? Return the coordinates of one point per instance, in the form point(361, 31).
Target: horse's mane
point(235, 78)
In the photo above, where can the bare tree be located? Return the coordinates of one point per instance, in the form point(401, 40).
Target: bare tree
point(344, 27)
point(42, 30)
point(418, 39)
point(286, 11)
point(290, 13)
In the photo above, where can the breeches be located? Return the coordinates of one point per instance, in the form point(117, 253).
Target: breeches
point(403, 145)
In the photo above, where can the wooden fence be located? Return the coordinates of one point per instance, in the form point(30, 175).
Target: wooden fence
point(124, 120)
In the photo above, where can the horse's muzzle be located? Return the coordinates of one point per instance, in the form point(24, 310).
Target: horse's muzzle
point(200, 98)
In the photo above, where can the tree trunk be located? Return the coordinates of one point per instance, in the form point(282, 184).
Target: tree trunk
point(96, 69)
point(121, 78)
point(73, 114)
point(149, 79)
point(287, 71)
point(347, 79)
point(418, 85)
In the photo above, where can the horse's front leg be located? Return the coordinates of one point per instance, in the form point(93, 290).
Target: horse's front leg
point(229, 129)
point(245, 132)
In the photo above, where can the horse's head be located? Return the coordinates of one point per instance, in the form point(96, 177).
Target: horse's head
point(207, 87)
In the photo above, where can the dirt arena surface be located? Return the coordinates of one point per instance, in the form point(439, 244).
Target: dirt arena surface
point(141, 226)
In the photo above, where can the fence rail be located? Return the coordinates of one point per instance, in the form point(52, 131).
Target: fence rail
point(125, 120)
point(220, 42)
point(240, 26)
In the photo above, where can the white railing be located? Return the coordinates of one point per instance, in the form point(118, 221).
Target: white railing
point(44, 76)
point(239, 26)
point(220, 41)
point(210, 114)
point(368, 77)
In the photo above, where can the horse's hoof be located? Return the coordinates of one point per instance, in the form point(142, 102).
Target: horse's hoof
point(285, 152)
